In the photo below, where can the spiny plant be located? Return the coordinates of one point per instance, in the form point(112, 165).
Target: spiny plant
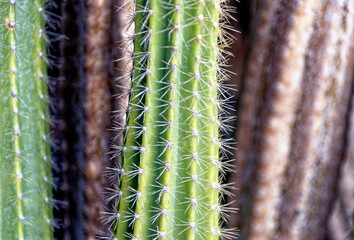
point(169, 182)
point(25, 178)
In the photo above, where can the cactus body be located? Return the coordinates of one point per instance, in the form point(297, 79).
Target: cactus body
point(169, 183)
point(25, 178)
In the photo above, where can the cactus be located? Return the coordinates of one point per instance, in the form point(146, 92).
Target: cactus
point(292, 145)
point(169, 183)
point(97, 107)
point(25, 178)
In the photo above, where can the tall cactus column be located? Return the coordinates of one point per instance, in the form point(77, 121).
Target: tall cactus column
point(170, 186)
point(25, 178)
point(293, 117)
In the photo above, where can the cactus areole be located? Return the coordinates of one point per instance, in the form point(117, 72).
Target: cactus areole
point(169, 177)
point(25, 177)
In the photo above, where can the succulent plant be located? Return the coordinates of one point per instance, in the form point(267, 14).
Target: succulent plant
point(169, 182)
point(25, 179)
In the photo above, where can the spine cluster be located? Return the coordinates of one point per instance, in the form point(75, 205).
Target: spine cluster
point(25, 181)
point(170, 186)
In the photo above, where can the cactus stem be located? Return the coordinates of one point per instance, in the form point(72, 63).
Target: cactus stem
point(169, 176)
point(12, 68)
point(26, 116)
point(41, 86)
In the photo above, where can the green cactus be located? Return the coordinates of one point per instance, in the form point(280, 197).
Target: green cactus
point(169, 182)
point(25, 178)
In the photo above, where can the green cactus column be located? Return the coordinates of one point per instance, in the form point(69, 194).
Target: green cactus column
point(25, 177)
point(169, 185)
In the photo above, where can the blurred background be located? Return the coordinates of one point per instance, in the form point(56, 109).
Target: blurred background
point(292, 65)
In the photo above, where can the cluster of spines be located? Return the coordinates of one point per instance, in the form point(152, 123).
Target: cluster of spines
point(169, 182)
point(24, 84)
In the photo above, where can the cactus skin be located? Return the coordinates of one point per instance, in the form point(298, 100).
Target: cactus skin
point(169, 185)
point(25, 178)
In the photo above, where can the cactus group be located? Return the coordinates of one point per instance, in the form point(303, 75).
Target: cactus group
point(25, 179)
point(169, 183)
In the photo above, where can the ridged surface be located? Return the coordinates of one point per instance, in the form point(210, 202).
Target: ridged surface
point(169, 176)
point(25, 180)
point(293, 117)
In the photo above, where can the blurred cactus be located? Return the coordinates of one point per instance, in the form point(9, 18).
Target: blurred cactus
point(293, 117)
point(97, 107)
point(25, 157)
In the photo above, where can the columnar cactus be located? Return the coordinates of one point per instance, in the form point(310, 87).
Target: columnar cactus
point(25, 178)
point(293, 118)
point(169, 183)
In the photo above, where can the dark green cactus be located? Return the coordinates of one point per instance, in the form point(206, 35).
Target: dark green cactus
point(25, 178)
point(170, 187)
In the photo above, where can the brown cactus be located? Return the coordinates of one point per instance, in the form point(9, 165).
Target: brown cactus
point(293, 117)
point(97, 110)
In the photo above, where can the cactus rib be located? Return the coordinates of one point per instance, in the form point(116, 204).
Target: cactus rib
point(10, 40)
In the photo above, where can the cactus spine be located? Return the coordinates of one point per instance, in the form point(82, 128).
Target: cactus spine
point(25, 178)
point(169, 185)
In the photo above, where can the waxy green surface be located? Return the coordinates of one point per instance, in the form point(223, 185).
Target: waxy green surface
point(169, 177)
point(25, 178)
